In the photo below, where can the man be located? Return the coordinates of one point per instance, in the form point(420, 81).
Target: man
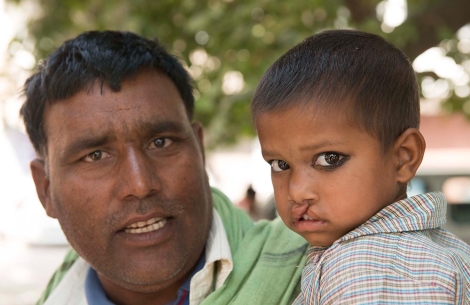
point(121, 166)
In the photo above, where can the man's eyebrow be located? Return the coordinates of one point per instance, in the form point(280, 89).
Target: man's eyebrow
point(148, 128)
point(159, 127)
point(85, 143)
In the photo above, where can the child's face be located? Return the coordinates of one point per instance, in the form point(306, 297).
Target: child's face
point(328, 175)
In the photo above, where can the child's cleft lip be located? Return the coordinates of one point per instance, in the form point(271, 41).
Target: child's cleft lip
point(302, 212)
point(310, 217)
point(309, 222)
point(298, 210)
point(306, 217)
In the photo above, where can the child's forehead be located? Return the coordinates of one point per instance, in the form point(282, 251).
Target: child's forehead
point(310, 123)
point(307, 111)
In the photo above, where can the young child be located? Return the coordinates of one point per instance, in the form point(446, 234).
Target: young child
point(337, 117)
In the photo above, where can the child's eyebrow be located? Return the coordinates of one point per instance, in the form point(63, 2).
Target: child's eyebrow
point(319, 145)
point(267, 154)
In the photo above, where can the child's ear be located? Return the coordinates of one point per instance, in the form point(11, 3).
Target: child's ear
point(409, 151)
point(38, 171)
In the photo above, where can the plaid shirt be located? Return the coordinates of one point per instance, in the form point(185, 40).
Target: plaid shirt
point(399, 256)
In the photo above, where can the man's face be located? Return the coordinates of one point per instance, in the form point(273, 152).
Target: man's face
point(126, 180)
point(329, 176)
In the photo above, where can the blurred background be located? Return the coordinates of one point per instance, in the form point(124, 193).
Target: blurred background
point(227, 45)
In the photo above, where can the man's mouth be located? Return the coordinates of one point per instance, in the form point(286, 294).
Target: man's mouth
point(150, 225)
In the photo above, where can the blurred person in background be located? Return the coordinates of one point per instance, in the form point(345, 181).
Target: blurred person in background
point(254, 209)
point(249, 205)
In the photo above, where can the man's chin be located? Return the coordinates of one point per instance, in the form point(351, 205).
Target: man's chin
point(140, 278)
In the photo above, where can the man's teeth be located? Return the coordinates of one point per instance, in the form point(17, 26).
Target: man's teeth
point(306, 217)
point(146, 226)
point(141, 224)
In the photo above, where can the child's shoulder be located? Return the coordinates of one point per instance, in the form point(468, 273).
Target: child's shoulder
point(396, 262)
point(432, 246)
point(423, 257)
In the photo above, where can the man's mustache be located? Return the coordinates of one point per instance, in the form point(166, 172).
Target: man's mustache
point(150, 204)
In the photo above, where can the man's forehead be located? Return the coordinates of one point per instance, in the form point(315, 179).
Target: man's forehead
point(84, 105)
point(142, 81)
point(147, 100)
point(132, 118)
point(147, 89)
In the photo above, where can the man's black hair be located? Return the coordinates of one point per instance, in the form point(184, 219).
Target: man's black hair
point(357, 73)
point(108, 57)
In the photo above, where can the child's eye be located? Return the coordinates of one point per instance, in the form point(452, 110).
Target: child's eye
point(329, 159)
point(278, 165)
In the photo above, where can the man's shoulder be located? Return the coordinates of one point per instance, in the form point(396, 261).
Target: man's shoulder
point(235, 221)
point(239, 226)
point(267, 269)
point(70, 258)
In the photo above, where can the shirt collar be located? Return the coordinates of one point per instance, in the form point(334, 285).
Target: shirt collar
point(94, 290)
point(218, 264)
point(95, 293)
point(420, 212)
point(184, 290)
point(217, 246)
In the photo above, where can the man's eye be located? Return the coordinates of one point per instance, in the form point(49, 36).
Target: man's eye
point(279, 165)
point(96, 156)
point(329, 159)
point(161, 143)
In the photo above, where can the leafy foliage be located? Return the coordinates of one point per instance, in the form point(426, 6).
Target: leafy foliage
point(224, 40)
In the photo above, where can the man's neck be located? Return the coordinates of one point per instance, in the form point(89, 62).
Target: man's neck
point(123, 296)
point(153, 295)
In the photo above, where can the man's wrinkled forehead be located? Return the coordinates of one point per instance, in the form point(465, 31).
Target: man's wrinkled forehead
point(123, 114)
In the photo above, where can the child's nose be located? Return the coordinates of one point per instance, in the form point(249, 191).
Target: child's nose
point(301, 187)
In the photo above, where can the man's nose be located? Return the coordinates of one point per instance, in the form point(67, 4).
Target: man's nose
point(302, 186)
point(137, 176)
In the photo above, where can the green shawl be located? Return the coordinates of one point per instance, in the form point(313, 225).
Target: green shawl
point(267, 258)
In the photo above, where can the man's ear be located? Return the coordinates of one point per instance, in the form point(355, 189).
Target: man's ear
point(409, 151)
point(38, 170)
point(199, 132)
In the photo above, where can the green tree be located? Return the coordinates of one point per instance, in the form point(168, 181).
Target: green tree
point(228, 44)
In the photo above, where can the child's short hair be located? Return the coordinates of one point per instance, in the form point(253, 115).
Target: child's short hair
point(359, 73)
